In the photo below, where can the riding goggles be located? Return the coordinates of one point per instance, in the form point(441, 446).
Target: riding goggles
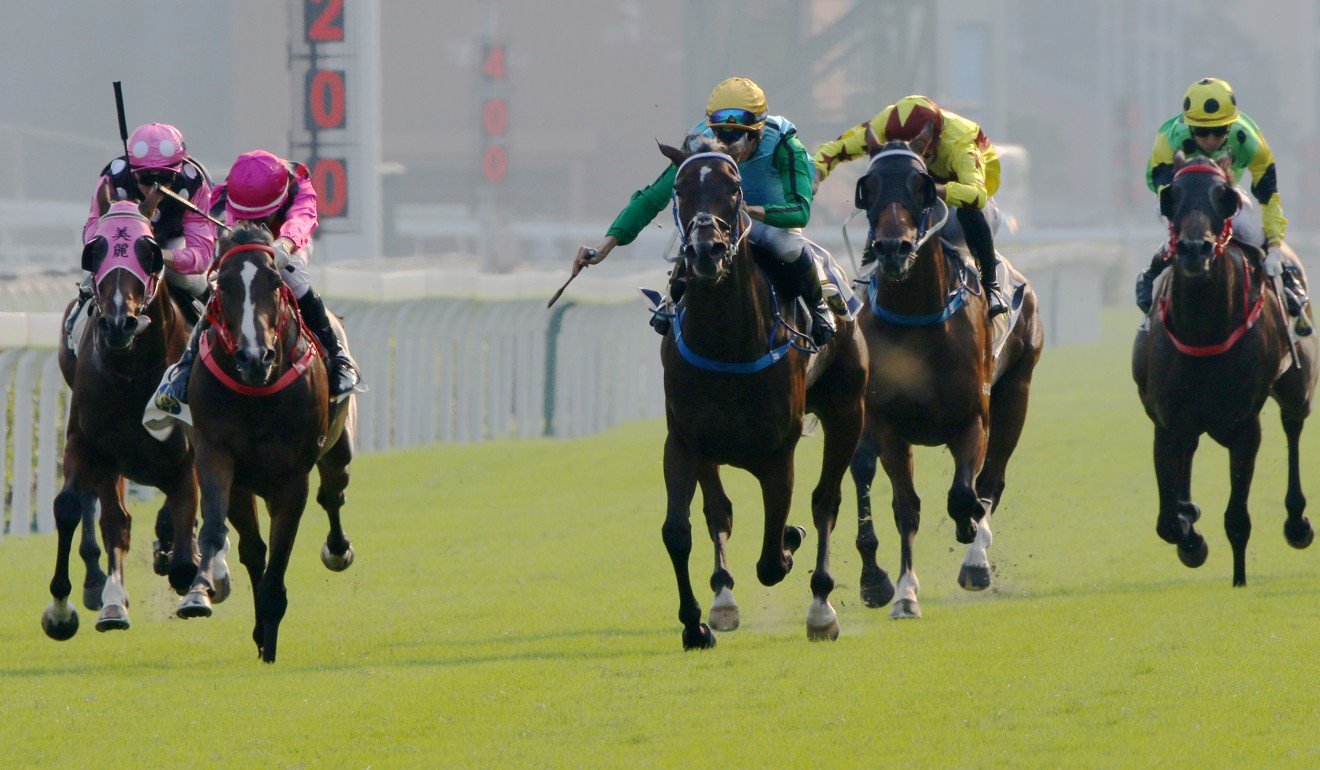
point(734, 116)
point(1215, 131)
point(150, 176)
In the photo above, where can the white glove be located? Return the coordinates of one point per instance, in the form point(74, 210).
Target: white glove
point(1273, 264)
point(167, 258)
point(282, 256)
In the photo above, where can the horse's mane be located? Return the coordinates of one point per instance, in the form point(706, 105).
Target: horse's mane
point(702, 143)
point(249, 232)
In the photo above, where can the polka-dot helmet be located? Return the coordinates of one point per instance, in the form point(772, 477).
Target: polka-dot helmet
point(258, 185)
point(910, 115)
point(156, 146)
point(1209, 103)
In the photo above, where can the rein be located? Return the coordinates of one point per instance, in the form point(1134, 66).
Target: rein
point(957, 299)
point(216, 317)
point(796, 340)
point(1249, 321)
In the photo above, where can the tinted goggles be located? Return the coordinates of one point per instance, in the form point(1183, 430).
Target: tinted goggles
point(733, 116)
point(1202, 131)
point(150, 176)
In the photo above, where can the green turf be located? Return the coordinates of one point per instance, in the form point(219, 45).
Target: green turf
point(512, 605)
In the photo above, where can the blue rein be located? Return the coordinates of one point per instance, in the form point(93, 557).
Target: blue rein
point(775, 353)
point(957, 299)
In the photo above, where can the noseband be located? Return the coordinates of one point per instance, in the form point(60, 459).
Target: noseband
point(706, 219)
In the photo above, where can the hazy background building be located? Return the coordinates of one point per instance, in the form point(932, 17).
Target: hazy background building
point(591, 84)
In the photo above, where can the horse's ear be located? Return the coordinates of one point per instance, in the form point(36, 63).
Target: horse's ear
point(921, 142)
point(1225, 163)
point(93, 252)
point(148, 206)
point(148, 254)
point(675, 155)
point(1168, 201)
point(104, 196)
point(872, 141)
point(1179, 160)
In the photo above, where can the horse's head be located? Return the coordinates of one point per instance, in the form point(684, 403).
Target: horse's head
point(898, 193)
point(1198, 204)
point(708, 208)
point(248, 304)
point(126, 263)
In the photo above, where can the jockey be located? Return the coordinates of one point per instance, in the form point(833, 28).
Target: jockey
point(960, 157)
point(776, 180)
point(1209, 126)
point(157, 154)
point(277, 193)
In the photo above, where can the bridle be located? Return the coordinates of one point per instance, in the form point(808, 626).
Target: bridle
point(737, 232)
point(1226, 232)
point(926, 228)
point(215, 313)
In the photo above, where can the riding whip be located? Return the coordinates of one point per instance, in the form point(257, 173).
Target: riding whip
point(590, 253)
point(123, 125)
point(168, 193)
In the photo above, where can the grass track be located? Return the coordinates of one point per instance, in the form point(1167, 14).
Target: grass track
point(512, 605)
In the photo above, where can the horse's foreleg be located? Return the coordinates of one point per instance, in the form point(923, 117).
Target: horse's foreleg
point(116, 528)
point(73, 505)
point(877, 589)
point(965, 507)
point(842, 430)
point(680, 486)
point(779, 541)
point(215, 475)
point(719, 521)
point(251, 548)
point(1237, 520)
point(1178, 514)
point(162, 550)
point(286, 509)
point(1296, 528)
point(89, 549)
point(180, 508)
point(337, 552)
point(896, 458)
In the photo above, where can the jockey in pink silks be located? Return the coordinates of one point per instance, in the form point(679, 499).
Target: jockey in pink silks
point(157, 154)
point(268, 190)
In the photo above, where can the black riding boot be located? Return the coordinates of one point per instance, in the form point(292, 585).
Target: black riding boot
point(1146, 280)
point(172, 396)
point(1296, 300)
point(981, 242)
point(85, 291)
point(806, 284)
point(343, 372)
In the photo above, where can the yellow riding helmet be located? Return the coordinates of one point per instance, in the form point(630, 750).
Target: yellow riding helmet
point(736, 103)
point(1209, 103)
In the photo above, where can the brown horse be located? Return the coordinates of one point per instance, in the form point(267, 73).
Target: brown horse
point(1215, 350)
point(937, 377)
point(138, 329)
point(262, 418)
point(736, 387)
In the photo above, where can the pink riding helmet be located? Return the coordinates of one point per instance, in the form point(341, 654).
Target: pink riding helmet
point(156, 145)
point(258, 185)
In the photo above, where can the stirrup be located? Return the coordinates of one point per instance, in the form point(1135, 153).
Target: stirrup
point(822, 324)
point(995, 304)
point(1303, 325)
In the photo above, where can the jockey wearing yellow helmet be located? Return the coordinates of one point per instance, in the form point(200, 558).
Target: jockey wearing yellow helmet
point(1210, 125)
point(776, 178)
point(963, 162)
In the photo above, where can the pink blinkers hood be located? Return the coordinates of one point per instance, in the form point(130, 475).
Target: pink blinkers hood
point(122, 226)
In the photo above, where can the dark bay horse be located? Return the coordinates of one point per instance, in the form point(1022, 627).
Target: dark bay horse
point(736, 387)
point(262, 418)
point(937, 378)
point(138, 330)
point(1216, 348)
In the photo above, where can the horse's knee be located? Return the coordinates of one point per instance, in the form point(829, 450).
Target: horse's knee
point(330, 501)
point(964, 503)
point(677, 534)
point(272, 601)
point(68, 510)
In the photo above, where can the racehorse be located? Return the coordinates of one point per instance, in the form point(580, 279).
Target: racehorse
point(138, 330)
point(262, 418)
point(1216, 348)
point(736, 386)
point(938, 377)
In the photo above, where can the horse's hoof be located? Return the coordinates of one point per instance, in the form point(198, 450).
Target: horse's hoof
point(905, 608)
point(113, 618)
point(160, 559)
point(1195, 555)
point(724, 611)
point(57, 628)
point(336, 563)
point(1300, 535)
point(195, 605)
point(700, 638)
point(877, 588)
point(974, 578)
point(223, 586)
point(92, 595)
point(182, 576)
point(793, 537)
point(822, 622)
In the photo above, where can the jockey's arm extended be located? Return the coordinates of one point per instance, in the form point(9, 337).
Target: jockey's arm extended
point(847, 146)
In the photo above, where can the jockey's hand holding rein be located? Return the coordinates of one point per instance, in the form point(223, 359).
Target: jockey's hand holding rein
point(1273, 264)
point(283, 248)
point(589, 256)
point(756, 212)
